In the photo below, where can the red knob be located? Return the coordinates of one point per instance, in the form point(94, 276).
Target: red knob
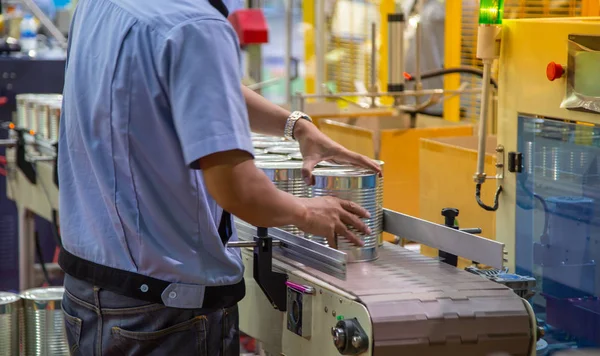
point(554, 71)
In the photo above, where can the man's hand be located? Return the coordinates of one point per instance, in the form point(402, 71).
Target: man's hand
point(317, 147)
point(330, 216)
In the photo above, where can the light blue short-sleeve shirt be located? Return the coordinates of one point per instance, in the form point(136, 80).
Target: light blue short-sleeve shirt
point(151, 87)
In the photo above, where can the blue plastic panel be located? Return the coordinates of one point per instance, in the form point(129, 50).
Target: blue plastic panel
point(558, 227)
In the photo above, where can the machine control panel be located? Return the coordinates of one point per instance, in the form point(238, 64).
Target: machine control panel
point(349, 337)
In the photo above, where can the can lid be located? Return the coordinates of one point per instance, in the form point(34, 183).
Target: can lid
point(343, 172)
point(8, 298)
point(345, 165)
point(288, 164)
point(297, 156)
point(268, 144)
point(50, 293)
point(270, 158)
point(282, 150)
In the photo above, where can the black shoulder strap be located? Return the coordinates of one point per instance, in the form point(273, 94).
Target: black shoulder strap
point(219, 5)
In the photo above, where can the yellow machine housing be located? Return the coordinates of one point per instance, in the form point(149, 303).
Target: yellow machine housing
point(549, 208)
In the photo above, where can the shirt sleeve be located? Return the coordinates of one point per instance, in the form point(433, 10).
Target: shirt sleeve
point(204, 87)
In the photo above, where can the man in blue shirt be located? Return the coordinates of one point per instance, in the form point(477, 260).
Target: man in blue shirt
point(155, 153)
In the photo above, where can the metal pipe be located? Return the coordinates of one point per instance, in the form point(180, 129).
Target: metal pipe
point(396, 80)
point(46, 22)
point(242, 244)
point(401, 94)
point(483, 114)
point(319, 31)
point(373, 88)
point(289, 19)
point(419, 43)
point(8, 143)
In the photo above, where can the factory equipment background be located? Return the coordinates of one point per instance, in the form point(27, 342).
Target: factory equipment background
point(484, 118)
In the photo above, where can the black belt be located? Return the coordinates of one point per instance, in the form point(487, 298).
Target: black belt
point(137, 286)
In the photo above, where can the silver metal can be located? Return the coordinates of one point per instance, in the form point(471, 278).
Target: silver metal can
point(11, 309)
point(282, 150)
point(379, 186)
point(22, 101)
point(44, 322)
point(54, 119)
point(287, 176)
point(359, 186)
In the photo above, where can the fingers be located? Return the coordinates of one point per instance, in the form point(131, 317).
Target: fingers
point(368, 163)
point(342, 230)
point(354, 221)
point(307, 167)
point(360, 161)
point(354, 209)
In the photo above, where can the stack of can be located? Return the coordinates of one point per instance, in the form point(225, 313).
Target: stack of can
point(40, 114)
point(11, 309)
point(44, 322)
point(361, 187)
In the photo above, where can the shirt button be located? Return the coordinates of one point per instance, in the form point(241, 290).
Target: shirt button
point(172, 295)
point(144, 288)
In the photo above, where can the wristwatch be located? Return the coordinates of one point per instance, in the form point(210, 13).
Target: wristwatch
point(288, 131)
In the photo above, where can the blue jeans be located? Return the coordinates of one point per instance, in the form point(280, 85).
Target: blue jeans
point(99, 322)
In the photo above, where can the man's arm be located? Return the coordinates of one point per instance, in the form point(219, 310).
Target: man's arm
point(239, 187)
point(264, 116)
point(268, 118)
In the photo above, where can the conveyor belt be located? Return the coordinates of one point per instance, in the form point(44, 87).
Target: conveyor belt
point(424, 307)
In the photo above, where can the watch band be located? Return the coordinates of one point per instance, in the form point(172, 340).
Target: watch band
point(288, 131)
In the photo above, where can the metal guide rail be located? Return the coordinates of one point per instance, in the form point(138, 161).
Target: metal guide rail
point(334, 262)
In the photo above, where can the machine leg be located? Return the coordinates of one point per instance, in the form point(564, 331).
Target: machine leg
point(26, 249)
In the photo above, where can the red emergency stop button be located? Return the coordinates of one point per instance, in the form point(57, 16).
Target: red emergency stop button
point(554, 71)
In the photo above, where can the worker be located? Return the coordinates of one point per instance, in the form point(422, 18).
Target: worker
point(154, 157)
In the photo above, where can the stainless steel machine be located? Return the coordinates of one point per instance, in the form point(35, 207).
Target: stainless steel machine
point(303, 298)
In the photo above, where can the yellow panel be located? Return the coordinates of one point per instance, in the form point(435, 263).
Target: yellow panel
point(400, 152)
point(353, 138)
point(446, 178)
point(590, 8)
point(308, 15)
point(527, 47)
point(452, 54)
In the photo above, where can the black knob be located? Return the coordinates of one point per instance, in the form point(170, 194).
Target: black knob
point(450, 215)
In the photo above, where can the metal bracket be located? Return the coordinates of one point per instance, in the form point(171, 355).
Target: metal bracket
point(299, 249)
point(271, 283)
point(499, 163)
point(22, 163)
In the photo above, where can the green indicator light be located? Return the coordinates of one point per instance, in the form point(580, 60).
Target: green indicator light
point(491, 12)
point(340, 317)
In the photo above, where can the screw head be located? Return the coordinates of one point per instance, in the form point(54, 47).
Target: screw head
point(326, 309)
point(356, 341)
